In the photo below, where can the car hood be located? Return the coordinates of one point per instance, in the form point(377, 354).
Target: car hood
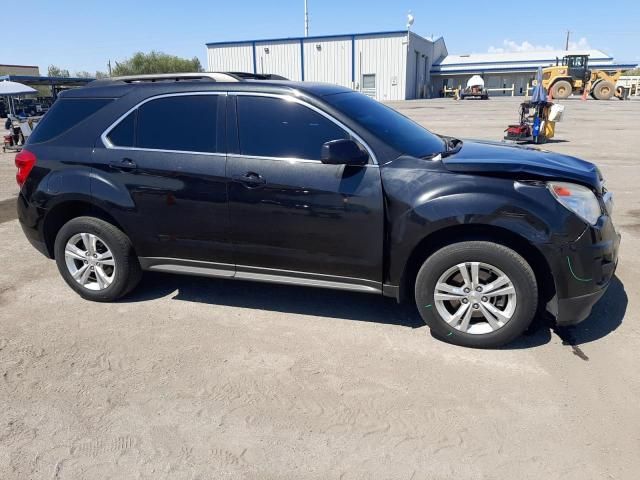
point(493, 157)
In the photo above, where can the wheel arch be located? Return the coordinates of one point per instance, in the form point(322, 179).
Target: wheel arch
point(68, 210)
point(461, 233)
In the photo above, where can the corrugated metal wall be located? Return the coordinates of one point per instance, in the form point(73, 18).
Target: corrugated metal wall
point(281, 58)
point(420, 56)
point(386, 57)
point(328, 61)
point(231, 58)
point(340, 60)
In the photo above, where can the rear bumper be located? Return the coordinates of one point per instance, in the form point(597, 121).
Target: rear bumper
point(582, 272)
point(31, 221)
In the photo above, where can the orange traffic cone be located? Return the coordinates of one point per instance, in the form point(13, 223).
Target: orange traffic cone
point(585, 93)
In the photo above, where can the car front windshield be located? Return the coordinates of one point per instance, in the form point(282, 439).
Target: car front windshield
point(393, 128)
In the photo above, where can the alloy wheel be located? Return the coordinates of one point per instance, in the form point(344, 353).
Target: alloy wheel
point(90, 261)
point(475, 297)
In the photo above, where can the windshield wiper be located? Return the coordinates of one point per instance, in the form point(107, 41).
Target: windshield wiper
point(451, 146)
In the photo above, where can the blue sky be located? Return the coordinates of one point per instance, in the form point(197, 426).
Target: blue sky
point(84, 35)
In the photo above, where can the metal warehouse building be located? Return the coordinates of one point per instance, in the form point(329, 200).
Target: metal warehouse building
point(512, 72)
point(385, 65)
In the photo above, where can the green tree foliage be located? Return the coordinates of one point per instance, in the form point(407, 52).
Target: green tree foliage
point(634, 72)
point(97, 75)
point(156, 62)
point(54, 71)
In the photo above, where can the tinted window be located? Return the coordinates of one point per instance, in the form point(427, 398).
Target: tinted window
point(272, 127)
point(185, 123)
point(123, 134)
point(63, 115)
point(391, 127)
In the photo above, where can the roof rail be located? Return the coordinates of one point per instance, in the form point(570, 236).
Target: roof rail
point(183, 77)
point(257, 76)
point(176, 77)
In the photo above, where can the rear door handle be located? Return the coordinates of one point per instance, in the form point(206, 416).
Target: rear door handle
point(250, 179)
point(126, 165)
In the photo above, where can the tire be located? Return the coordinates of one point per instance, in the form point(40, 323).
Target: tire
point(115, 259)
point(603, 90)
point(561, 89)
point(494, 260)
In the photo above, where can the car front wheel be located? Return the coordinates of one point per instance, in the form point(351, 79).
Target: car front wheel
point(476, 294)
point(96, 259)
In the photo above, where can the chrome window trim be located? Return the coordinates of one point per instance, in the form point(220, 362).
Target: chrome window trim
point(107, 143)
point(188, 152)
point(289, 159)
point(293, 98)
point(286, 97)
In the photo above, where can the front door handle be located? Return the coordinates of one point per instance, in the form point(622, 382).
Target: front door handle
point(250, 179)
point(126, 165)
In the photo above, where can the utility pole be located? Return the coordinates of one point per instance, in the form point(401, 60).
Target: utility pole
point(306, 19)
point(566, 46)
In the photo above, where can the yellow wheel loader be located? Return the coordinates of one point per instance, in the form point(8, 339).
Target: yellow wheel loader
point(574, 76)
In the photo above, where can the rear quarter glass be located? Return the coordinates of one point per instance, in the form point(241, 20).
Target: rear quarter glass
point(63, 115)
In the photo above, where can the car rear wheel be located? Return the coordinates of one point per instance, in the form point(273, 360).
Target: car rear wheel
point(476, 294)
point(96, 259)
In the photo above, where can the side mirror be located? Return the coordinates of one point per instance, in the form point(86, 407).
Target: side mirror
point(343, 152)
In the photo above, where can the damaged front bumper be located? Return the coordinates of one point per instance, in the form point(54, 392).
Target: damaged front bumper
point(582, 271)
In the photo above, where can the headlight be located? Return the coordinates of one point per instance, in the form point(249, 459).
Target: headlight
point(580, 200)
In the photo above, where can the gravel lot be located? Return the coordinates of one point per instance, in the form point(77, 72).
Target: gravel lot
point(193, 378)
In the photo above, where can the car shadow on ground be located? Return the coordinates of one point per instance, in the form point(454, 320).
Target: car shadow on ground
point(606, 316)
point(277, 298)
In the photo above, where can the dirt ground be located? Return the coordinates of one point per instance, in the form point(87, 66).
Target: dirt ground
point(193, 378)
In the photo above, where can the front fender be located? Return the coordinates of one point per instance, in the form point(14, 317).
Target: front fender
point(521, 208)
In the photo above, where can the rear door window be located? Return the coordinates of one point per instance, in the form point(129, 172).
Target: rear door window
point(185, 123)
point(123, 134)
point(274, 127)
point(64, 114)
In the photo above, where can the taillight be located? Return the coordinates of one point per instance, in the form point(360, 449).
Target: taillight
point(25, 161)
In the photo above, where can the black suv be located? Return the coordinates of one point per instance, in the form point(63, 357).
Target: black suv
point(310, 184)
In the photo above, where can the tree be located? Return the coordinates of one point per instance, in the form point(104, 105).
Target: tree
point(156, 62)
point(55, 71)
point(84, 74)
point(635, 72)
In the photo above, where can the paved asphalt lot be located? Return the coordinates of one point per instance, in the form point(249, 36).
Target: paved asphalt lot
point(193, 378)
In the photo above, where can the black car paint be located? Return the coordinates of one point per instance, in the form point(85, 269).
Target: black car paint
point(516, 160)
point(342, 223)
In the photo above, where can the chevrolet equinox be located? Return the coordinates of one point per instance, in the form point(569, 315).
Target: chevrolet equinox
point(255, 178)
